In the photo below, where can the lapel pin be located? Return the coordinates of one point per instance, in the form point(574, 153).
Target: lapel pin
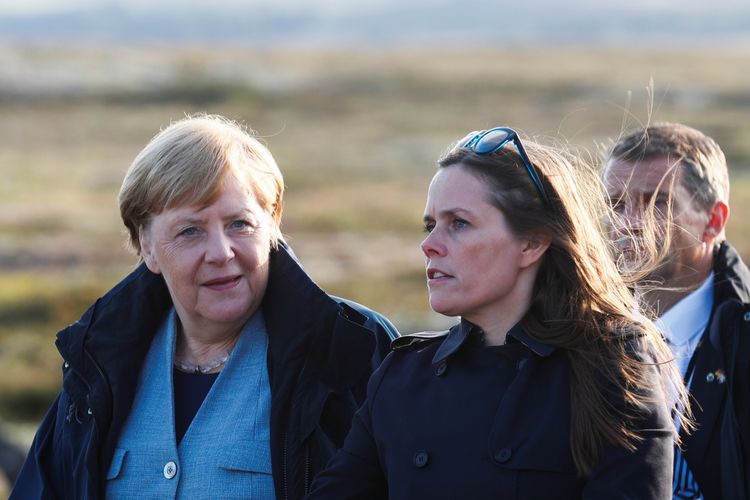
point(718, 376)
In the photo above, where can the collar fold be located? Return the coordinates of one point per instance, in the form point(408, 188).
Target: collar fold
point(458, 335)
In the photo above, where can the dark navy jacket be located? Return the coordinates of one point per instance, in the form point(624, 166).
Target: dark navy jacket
point(321, 352)
point(718, 453)
point(427, 431)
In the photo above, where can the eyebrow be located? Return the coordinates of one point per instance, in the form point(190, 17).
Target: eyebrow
point(184, 222)
point(449, 212)
point(193, 219)
point(643, 193)
point(178, 221)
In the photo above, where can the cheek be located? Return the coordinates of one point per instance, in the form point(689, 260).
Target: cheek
point(151, 262)
point(614, 230)
point(261, 250)
point(254, 256)
point(260, 277)
point(491, 260)
point(618, 224)
point(177, 263)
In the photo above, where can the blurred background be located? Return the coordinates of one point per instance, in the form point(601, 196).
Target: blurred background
point(356, 100)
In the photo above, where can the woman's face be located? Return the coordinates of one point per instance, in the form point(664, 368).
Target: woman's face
point(214, 258)
point(474, 262)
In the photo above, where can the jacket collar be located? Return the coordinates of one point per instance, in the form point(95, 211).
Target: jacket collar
point(299, 314)
point(115, 332)
point(732, 275)
point(458, 335)
point(715, 350)
point(731, 282)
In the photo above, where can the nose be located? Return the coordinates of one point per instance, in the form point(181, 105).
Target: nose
point(432, 245)
point(219, 249)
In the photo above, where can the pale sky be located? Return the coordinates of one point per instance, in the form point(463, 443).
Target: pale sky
point(27, 7)
point(45, 6)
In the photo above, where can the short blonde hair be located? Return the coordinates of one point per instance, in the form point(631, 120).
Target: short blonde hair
point(187, 163)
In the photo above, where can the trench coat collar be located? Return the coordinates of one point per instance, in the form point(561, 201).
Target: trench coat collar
point(458, 335)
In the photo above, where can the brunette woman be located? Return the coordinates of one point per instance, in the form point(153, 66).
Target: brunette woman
point(550, 386)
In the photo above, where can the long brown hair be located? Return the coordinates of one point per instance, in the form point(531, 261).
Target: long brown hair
point(580, 303)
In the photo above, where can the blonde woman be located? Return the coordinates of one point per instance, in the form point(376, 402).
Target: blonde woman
point(217, 369)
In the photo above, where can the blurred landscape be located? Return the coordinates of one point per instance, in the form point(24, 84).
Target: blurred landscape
point(381, 22)
point(356, 128)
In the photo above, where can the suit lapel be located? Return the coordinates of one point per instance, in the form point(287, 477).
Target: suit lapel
point(707, 390)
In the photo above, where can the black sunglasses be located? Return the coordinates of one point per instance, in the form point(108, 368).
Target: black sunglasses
point(485, 142)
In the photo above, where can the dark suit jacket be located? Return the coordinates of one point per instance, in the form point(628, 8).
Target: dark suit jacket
point(718, 451)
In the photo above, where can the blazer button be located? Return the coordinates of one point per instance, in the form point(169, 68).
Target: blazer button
point(170, 470)
point(421, 458)
point(440, 370)
point(503, 455)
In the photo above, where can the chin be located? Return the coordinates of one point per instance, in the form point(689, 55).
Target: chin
point(231, 315)
point(446, 309)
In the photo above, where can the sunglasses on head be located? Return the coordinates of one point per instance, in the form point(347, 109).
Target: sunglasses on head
point(486, 142)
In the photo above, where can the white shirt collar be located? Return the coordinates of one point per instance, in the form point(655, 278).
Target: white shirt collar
point(685, 321)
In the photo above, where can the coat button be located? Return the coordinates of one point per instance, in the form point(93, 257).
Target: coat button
point(170, 470)
point(503, 455)
point(421, 458)
point(440, 370)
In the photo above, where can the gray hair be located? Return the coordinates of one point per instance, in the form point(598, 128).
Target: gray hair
point(702, 162)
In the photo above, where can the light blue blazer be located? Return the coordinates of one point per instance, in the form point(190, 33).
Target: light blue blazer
point(225, 452)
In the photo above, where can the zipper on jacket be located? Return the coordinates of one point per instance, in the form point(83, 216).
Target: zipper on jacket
point(307, 470)
point(73, 406)
point(105, 383)
point(101, 487)
point(283, 469)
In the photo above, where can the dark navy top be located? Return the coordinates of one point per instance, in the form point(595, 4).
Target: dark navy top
point(190, 389)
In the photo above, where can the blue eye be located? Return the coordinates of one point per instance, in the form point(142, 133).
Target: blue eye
point(459, 224)
point(243, 225)
point(188, 231)
point(428, 227)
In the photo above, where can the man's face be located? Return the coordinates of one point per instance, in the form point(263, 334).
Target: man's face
point(631, 188)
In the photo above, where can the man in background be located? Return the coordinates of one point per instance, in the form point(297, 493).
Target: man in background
point(671, 181)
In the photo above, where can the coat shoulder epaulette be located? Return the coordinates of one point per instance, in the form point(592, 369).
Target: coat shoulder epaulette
point(416, 340)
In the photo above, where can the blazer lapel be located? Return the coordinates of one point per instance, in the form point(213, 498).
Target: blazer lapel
point(708, 390)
